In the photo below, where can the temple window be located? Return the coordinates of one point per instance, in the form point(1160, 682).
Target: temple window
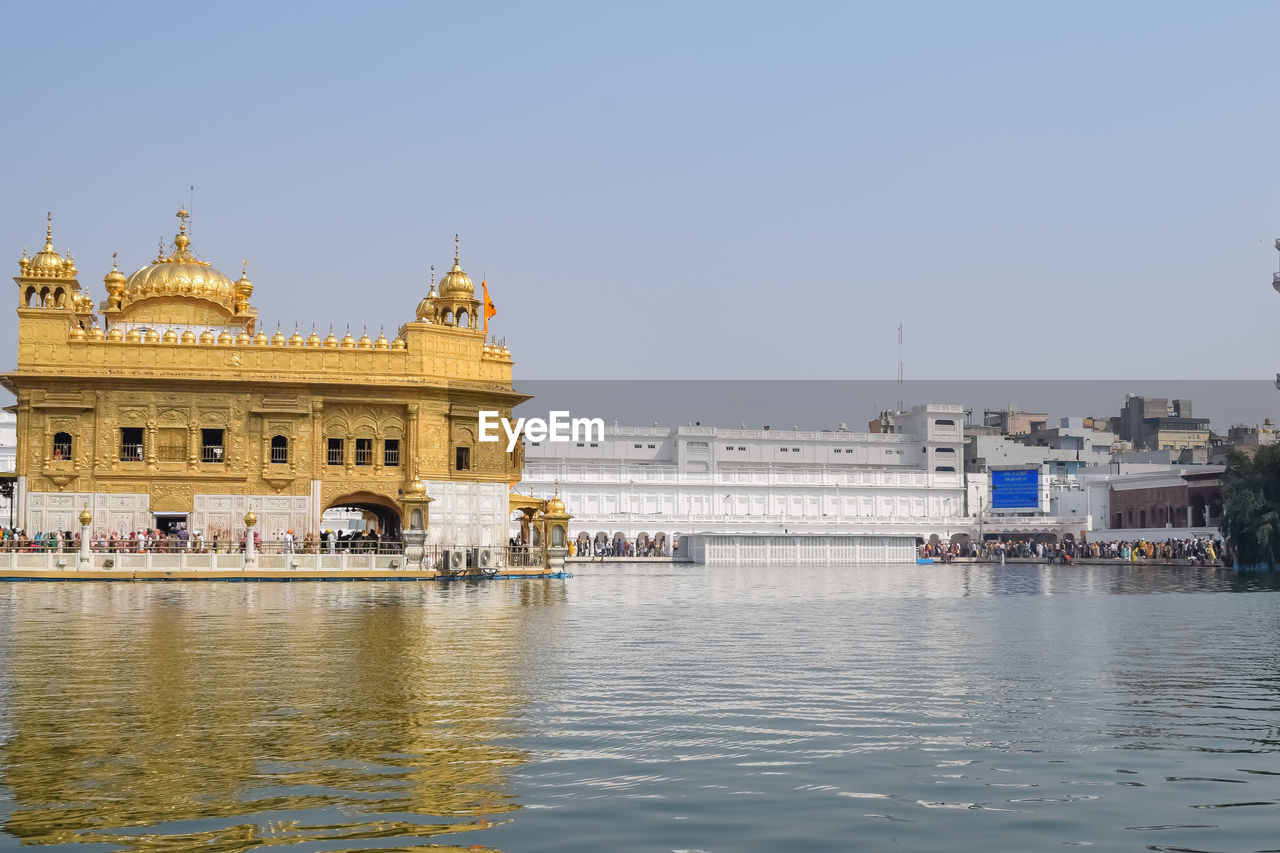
point(462, 460)
point(391, 452)
point(211, 445)
point(130, 444)
point(335, 451)
point(462, 319)
point(279, 450)
point(171, 444)
point(364, 451)
point(62, 445)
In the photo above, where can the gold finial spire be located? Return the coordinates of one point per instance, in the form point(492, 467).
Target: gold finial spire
point(455, 250)
point(160, 254)
point(433, 268)
point(48, 229)
point(114, 257)
point(244, 269)
point(183, 216)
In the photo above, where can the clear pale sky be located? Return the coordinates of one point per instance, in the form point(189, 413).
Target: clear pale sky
point(655, 190)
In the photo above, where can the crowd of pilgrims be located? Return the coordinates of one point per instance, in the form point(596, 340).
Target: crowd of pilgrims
point(1200, 550)
point(622, 547)
point(159, 542)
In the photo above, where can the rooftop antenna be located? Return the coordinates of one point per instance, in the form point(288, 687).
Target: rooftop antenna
point(899, 367)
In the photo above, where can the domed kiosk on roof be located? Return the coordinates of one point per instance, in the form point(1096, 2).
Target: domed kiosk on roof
point(181, 289)
point(455, 305)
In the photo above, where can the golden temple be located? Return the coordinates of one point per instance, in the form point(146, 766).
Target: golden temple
point(166, 404)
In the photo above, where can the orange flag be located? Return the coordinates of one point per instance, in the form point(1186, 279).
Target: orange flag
point(489, 309)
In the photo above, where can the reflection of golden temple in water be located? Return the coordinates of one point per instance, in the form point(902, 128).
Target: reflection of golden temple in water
point(170, 717)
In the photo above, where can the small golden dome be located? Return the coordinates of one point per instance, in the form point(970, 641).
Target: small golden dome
point(133, 336)
point(398, 344)
point(77, 333)
point(115, 334)
point(277, 340)
point(188, 336)
point(169, 336)
point(415, 488)
point(456, 283)
point(243, 339)
point(426, 309)
point(95, 334)
point(114, 280)
point(151, 336)
point(330, 340)
point(260, 339)
point(225, 338)
point(295, 340)
point(86, 517)
point(244, 287)
point(364, 342)
point(206, 337)
point(250, 519)
point(313, 340)
point(347, 341)
point(47, 263)
point(381, 342)
point(69, 266)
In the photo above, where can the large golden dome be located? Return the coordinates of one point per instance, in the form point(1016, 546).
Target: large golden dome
point(180, 274)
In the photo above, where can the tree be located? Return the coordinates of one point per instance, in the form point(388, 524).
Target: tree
point(1252, 506)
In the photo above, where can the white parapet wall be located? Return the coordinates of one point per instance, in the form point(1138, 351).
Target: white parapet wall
point(802, 549)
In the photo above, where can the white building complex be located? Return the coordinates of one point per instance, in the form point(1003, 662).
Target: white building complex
point(762, 495)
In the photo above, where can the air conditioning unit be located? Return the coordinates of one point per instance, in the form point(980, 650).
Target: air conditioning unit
point(455, 560)
point(486, 559)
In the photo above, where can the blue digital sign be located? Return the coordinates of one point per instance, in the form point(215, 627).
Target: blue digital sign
point(1015, 489)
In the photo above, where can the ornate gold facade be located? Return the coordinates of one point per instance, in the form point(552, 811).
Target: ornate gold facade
point(170, 393)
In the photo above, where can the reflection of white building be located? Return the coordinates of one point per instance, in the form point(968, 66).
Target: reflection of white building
point(673, 481)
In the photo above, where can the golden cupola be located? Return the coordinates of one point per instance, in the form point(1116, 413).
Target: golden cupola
point(456, 284)
point(181, 288)
point(114, 281)
point(427, 307)
point(47, 263)
point(455, 305)
point(48, 280)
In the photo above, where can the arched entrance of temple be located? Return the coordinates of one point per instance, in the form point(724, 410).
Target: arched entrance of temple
point(377, 511)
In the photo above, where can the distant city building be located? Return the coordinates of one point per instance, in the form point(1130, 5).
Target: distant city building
point(1245, 439)
point(1010, 421)
point(1171, 500)
point(1156, 423)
